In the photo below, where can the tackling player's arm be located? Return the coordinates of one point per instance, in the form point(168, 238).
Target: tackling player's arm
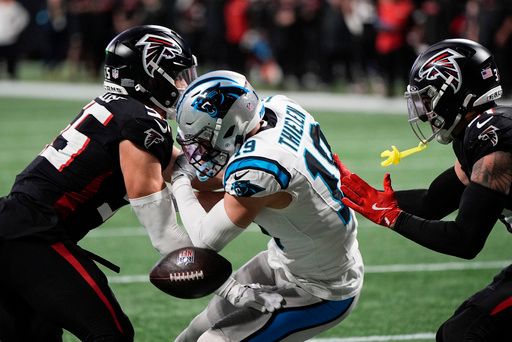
point(150, 198)
point(481, 203)
point(440, 199)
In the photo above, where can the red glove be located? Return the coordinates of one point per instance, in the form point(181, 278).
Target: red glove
point(344, 171)
point(380, 207)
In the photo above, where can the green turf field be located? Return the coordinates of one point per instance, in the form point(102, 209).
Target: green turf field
point(392, 303)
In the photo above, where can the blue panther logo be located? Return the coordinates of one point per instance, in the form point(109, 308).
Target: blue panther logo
point(217, 100)
point(245, 188)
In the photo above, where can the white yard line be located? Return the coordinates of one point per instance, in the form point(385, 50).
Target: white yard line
point(433, 267)
point(116, 232)
point(378, 338)
point(99, 233)
point(392, 268)
point(310, 100)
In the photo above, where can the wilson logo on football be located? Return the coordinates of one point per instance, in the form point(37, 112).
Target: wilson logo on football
point(443, 65)
point(156, 48)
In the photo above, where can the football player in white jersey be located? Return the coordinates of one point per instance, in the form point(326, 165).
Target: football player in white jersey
point(278, 172)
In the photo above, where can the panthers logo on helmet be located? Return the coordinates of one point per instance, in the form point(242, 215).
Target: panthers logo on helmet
point(443, 65)
point(156, 48)
point(217, 100)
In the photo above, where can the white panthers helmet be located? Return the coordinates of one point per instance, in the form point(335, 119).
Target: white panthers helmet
point(214, 114)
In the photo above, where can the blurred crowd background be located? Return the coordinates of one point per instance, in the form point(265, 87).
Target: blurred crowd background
point(339, 45)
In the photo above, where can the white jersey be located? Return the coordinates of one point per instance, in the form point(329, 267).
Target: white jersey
point(314, 238)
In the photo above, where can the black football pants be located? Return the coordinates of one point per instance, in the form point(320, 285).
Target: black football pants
point(46, 287)
point(484, 317)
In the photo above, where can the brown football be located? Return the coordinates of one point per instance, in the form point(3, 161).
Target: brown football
point(190, 272)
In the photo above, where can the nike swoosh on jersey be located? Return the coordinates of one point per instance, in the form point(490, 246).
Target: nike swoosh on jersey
point(237, 177)
point(375, 207)
point(162, 128)
point(481, 124)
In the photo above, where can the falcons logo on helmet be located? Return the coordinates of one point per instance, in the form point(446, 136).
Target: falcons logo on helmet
point(443, 65)
point(155, 49)
point(152, 137)
point(490, 134)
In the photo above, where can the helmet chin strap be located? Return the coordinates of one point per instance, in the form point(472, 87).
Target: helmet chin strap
point(444, 136)
point(170, 112)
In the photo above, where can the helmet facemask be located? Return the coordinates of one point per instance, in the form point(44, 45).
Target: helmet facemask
point(421, 106)
point(201, 153)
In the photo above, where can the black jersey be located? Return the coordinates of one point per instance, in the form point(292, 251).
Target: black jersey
point(79, 173)
point(487, 133)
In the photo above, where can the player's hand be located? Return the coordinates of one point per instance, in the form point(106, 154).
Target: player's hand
point(182, 168)
point(344, 171)
point(380, 207)
point(256, 296)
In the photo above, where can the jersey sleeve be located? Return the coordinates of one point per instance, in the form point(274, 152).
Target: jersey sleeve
point(141, 125)
point(488, 133)
point(255, 177)
point(152, 135)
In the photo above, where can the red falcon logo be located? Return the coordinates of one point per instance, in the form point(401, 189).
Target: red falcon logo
point(152, 137)
point(443, 65)
point(490, 134)
point(156, 48)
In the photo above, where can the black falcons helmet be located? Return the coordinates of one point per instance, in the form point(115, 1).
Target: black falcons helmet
point(446, 81)
point(149, 63)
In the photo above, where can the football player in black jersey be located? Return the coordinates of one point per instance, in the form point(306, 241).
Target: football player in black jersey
point(452, 91)
point(113, 153)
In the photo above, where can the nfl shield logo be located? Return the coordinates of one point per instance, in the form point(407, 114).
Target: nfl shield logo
point(185, 257)
point(115, 73)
